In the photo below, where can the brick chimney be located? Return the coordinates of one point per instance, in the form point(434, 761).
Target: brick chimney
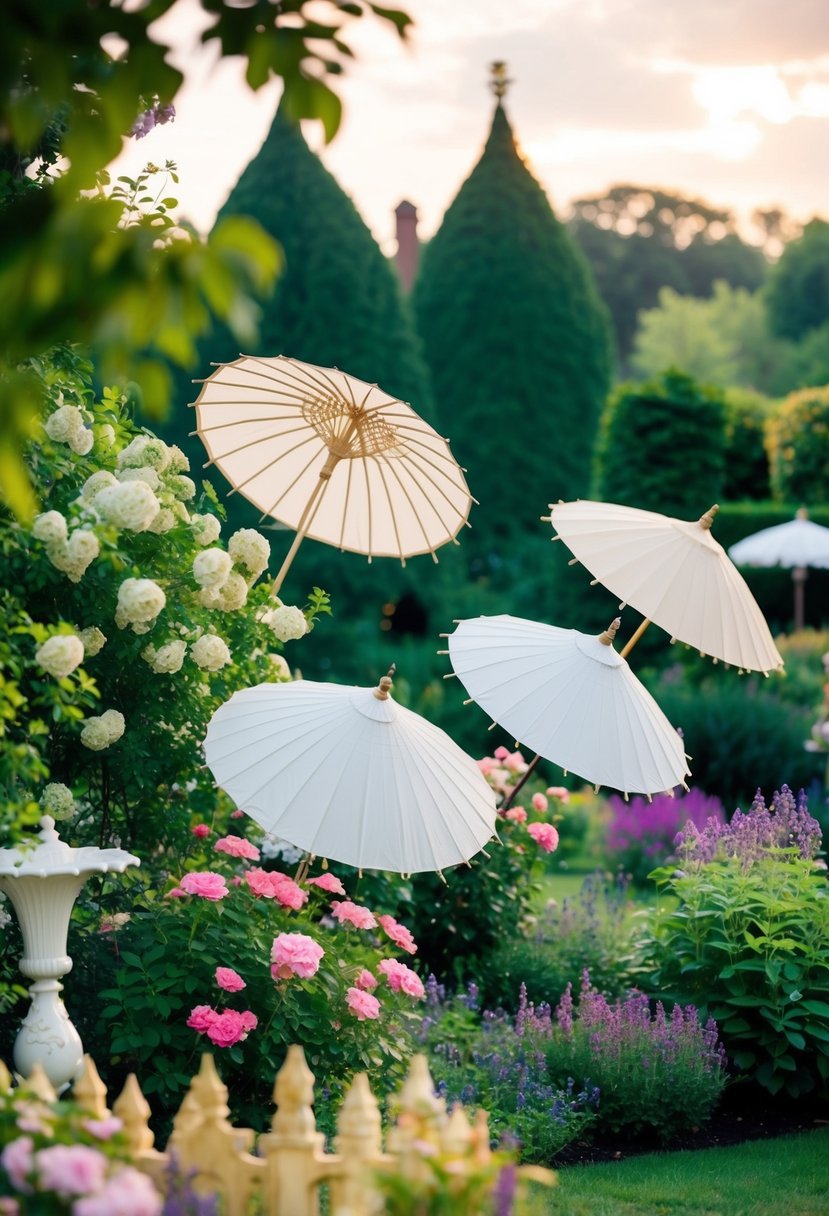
point(408, 246)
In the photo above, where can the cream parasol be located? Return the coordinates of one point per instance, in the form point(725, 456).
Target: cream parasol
point(571, 698)
point(675, 573)
point(331, 457)
point(348, 774)
point(795, 546)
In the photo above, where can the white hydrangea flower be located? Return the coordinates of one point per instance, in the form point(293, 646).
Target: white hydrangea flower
point(233, 594)
point(5, 919)
point(50, 527)
point(250, 549)
point(144, 472)
point(97, 482)
point(74, 556)
point(81, 442)
point(178, 461)
point(211, 568)
point(167, 658)
point(208, 597)
point(206, 529)
point(144, 450)
point(139, 601)
point(64, 424)
point(60, 655)
point(210, 652)
point(93, 640)
point(130, 505)
point(286, 622)
point(163, 522)
point(57, 800)
point(181, 487)
point(99, 733)
point(279, 667)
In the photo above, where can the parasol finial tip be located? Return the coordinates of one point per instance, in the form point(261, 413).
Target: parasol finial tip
point(609, 634)
point(802, 513)
point(706, 520)
point(382, 690)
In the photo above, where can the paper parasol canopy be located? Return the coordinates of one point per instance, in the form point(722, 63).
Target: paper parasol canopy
point(675, 574)
point(332, 457)
point(800, 542)
point(570, 697)
point(348, 774)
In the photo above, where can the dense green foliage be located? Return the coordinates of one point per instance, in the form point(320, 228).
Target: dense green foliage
point(798, 290)
point(746, 461)
point(639, 240)
point(517, 343)
point(662, 446)
point(798, 442)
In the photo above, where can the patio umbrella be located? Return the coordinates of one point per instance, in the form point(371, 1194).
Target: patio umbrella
point(794, 546)
point(347, 773)
point(331, 457)
point(571, 698)
point(675, 573)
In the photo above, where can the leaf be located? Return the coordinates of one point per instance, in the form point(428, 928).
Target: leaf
point(820, 1007)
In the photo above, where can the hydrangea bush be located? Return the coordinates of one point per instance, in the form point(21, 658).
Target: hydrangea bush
point(125, 622)
point(745, 934)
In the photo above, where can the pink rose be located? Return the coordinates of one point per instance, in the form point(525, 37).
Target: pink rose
point(366, 980)
point(273, 885)
point(70, 1169)
point(558, 791)
point(540, 803)
point(103, 1129)
point(206, 884)
point(350, 913)
point(501, 753)
point(362, 1004)
point(200, 830)
point(515, 762)
point(487, 764)
point(328, 882)
point(544, 835)
point(237, 814)
point(229, 979)
point(127, 1193)
point(398, 933)
point(176, 893)
point(295, 954)
point(16, 1159)
point(401, 978)
point(517, 814)
point(231, 1027)
point(202, 1018)
point(237, 846)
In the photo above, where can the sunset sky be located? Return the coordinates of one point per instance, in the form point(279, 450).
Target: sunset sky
point(725, 99)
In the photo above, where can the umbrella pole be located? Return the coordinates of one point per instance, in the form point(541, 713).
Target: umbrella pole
point(306, 519)
point(629, 645)
point(799, 576)
point(519, 787)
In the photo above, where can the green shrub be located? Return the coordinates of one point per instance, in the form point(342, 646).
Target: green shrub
point(797, 438)
point(746, 460)
point(748, 941)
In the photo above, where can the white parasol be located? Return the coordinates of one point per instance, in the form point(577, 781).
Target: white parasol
point(347, 773)
point(675, 573)
point(795, 546)
point(570, 697)
point(332, 457)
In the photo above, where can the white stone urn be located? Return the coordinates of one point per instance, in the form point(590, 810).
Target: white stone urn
point(43, 884)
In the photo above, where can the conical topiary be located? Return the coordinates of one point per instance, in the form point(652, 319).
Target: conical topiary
point(517, 342)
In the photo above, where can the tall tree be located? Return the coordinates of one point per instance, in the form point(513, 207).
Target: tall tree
point(798, 294)
point(518, 344)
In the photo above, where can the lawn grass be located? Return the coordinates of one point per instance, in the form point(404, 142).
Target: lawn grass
point(788, 1176)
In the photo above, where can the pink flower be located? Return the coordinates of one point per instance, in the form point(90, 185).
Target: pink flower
point(103, 1129)
point(176, 893)
point(362, 1004)
point(539, 802)
point(366, 980)
point(127, 1193)
point(229, 979)
point(70, 1169)
point(398, 933)
point(231, 1027)
point(501, 753)
point(237, 814)
point(16, 1159)
point(401, 978)
point(206, 884)
point(515, 762)
point(295, 954)
point(328, 882)
point(9, 1207)
point(544, 835)
point(487, 764)
point(558, 791)
point(273, 885)
point(237, 846)
point(202, 1018)
point(517, 814)
point(347, 912)
point(200, 830)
